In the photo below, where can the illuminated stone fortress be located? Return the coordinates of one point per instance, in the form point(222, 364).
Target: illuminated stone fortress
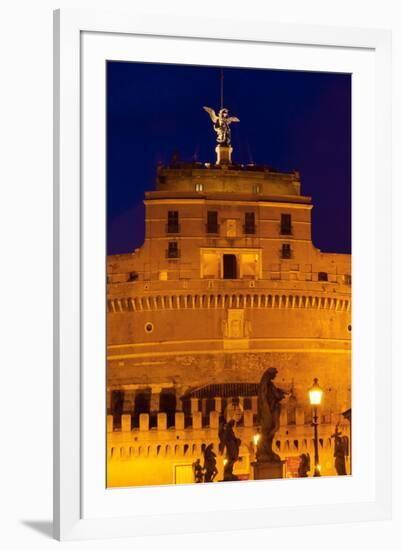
point(226, 284)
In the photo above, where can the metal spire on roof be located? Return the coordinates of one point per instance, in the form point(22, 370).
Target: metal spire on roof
point(221, 88)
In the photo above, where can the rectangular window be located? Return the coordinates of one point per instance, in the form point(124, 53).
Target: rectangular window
point(249, 223)
point(173, 249)
point(212, 221)
point(322, 276)
point(286, 224)
point(173, 222)
point(286, 252)
point(229, 266)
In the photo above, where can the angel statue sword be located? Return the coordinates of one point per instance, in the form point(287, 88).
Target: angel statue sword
point(221, 122)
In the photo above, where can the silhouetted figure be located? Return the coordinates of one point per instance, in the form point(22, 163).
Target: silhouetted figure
point(340, 452)
point(231, 443)
point(221, 435)
point(198, 471)
point(269, 410)
point(210, 468)
point(304, 466)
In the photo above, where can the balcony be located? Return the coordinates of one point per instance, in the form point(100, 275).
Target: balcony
point(172, 228)
point(173, 254)
point(212, 228)
point(249, 229)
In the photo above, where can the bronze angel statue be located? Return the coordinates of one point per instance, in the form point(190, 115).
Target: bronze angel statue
point(221, 122)
point(231, 443)
point(269, 410)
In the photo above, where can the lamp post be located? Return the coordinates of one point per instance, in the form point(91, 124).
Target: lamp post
point(315, 396)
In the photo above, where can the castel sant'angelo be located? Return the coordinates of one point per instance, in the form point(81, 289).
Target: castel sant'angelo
point(227, 283)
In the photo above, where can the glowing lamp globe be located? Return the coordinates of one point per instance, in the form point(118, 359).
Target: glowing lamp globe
point(315, 393)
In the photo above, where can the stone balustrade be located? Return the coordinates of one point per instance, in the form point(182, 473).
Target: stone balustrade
point(174, 302)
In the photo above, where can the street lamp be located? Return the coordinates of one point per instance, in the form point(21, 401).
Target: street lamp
point(315, 396)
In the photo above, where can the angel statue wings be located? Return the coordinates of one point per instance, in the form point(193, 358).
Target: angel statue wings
point(221, 122)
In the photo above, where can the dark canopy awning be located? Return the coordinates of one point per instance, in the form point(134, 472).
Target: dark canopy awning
point(237, 389)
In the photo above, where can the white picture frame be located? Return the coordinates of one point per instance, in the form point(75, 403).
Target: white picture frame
point(82, 42)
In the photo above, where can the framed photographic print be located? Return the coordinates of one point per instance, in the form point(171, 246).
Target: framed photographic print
point(222, 200)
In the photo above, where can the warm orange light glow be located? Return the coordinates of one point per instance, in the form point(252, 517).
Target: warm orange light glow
point(315, 393)
point(256, 438)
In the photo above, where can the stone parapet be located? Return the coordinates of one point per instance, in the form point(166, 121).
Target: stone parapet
point(302, 425)
point(130, 300)
point(290, 441)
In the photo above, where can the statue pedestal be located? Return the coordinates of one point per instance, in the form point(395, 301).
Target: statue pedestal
point(223, 154)
point(268, 470)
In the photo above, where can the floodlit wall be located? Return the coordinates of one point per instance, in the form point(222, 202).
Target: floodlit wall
point(217, 299)
point(163, 456)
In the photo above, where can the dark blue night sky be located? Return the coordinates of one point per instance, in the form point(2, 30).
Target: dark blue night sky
point(289, 120)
